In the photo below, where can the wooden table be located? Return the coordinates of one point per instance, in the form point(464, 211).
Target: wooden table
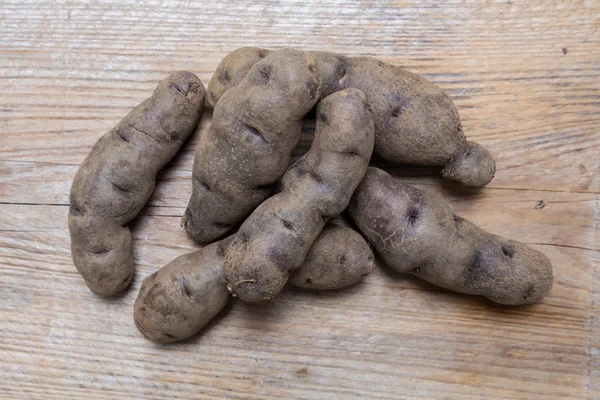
point(526, 79)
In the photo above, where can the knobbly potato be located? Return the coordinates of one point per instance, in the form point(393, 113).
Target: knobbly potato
point(240, 62)
point(417, 233)
point(275, 239)
point(176, 302)
point(182, 297)
point(415, 121)
point(340, 257)
point(256, 126)
point(117, 178)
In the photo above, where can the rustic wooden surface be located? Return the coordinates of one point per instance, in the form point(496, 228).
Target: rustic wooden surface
point(526, 79)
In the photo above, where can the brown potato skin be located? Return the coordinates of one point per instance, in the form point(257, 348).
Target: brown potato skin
point(415, 121)
point(417, 233)
point(339, 258)
point(181, 298)
point(256, 126)
point(176, 302)
point(275, 239)
point(117, 178)
point(240, 62)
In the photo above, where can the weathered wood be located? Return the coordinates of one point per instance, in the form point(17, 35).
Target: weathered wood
point(526, 79)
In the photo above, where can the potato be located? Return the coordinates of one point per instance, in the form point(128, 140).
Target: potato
point(415, 121)
point(117, 178)
point(417, 233)
point(339, 258)
point(181, 298)
point(256, 126)
point(240, 62)
point(275, 239)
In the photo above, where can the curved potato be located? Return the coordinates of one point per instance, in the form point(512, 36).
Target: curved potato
point(417, 233)
point(415, 121)
point(117, 178)
point(256, 126)
point(275, 239)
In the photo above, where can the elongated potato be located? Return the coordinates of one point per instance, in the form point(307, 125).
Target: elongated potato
point(415, 121)
point(275, 239)
point(417, 233)
point(117, 178)
point(247, 149)
point(176, 302)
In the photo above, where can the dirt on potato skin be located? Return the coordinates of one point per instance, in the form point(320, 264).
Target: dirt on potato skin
point(417, 233)
point(339, 258)
point(415, 121)
point(182, 297)
point(274, 240)
point(256, 126)
point(117, 178)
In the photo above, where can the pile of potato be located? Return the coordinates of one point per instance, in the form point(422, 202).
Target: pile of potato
point(265, 223)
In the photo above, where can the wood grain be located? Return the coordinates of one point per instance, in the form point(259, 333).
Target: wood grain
point(526, 79)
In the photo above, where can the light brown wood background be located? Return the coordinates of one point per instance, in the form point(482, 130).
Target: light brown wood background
point(526, 79)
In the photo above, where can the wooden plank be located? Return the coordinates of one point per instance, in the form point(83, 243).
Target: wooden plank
point(568, 155)
point(526, 79)
point(391, 333)
point(48, 183)
point(536, 108)
point(567, 158)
